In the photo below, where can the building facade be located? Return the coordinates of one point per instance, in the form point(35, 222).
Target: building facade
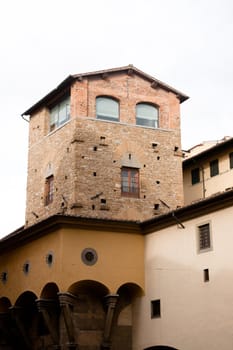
point(208, 169)
point(105, 144)
point(109, 257)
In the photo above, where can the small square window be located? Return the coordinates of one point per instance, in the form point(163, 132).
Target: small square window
point(214, 168)
point(231, 160)
point(155, 308)
point(195, 174)
point(204, 238)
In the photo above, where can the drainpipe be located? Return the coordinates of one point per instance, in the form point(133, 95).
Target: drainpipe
point(26, 120)
point(203, 181)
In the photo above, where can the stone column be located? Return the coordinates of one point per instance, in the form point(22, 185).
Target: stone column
point(67, 302)
point(49, 310)
point(17, 313)
point(110, 301)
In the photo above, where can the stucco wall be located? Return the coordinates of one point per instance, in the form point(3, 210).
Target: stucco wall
point(211, 185)
point(194, 314)
point(120, 260)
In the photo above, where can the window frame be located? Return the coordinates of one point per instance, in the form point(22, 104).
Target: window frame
point(202, 246)
point(140, 118)
point(133, 191)
point(56, 116)
point(231, 160)
point(103, 115)
point(195, 176)
point(49, 190)
point(214, 167)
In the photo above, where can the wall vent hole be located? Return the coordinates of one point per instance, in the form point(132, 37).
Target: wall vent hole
point(26, 268)
point(4, 276)
point(49, 259)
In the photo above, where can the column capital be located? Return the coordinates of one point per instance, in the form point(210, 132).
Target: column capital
point(67, 298)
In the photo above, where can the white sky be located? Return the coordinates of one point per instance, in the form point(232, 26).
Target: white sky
point(185, 43)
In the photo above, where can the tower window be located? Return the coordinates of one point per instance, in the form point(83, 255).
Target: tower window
point(147, 115)
point(107, 109)
point(59, 114)
point(49, 189)
point(130, 182)
point(214, 169)
point(195, 174)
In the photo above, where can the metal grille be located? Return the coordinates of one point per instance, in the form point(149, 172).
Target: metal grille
point(204, 236)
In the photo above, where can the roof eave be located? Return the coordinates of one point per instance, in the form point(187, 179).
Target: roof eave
point(42, 102)
point(129, 69)
point(207, 152)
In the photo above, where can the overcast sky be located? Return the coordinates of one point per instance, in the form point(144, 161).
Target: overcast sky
point(187, 44)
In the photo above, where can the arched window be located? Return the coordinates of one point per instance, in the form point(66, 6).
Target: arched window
point(147, 115)
point(107, 109)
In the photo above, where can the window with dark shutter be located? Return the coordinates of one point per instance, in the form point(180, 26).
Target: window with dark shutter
point(231, 160)
point(195, 174)
point(214, 169)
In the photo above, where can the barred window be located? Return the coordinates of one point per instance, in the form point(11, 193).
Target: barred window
point(204, 237)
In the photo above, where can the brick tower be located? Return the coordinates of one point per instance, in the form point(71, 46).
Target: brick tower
point(105, 144)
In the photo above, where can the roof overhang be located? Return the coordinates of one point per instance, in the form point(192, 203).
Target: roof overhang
point(172, 218)
point(130, 69)
point(209, 152)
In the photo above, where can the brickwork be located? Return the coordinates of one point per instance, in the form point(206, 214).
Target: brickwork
point(86, 155)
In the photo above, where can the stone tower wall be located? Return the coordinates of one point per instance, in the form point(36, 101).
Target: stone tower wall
point(85, 155)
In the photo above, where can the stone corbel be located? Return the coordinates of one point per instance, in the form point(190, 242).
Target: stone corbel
point(49, 307)
point(67, 302)
point(110, 301)
point(17, 313)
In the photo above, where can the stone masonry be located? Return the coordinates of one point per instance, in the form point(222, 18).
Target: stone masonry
point(85, 155)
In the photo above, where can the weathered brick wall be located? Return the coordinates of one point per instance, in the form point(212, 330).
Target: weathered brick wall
point(86, 155)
